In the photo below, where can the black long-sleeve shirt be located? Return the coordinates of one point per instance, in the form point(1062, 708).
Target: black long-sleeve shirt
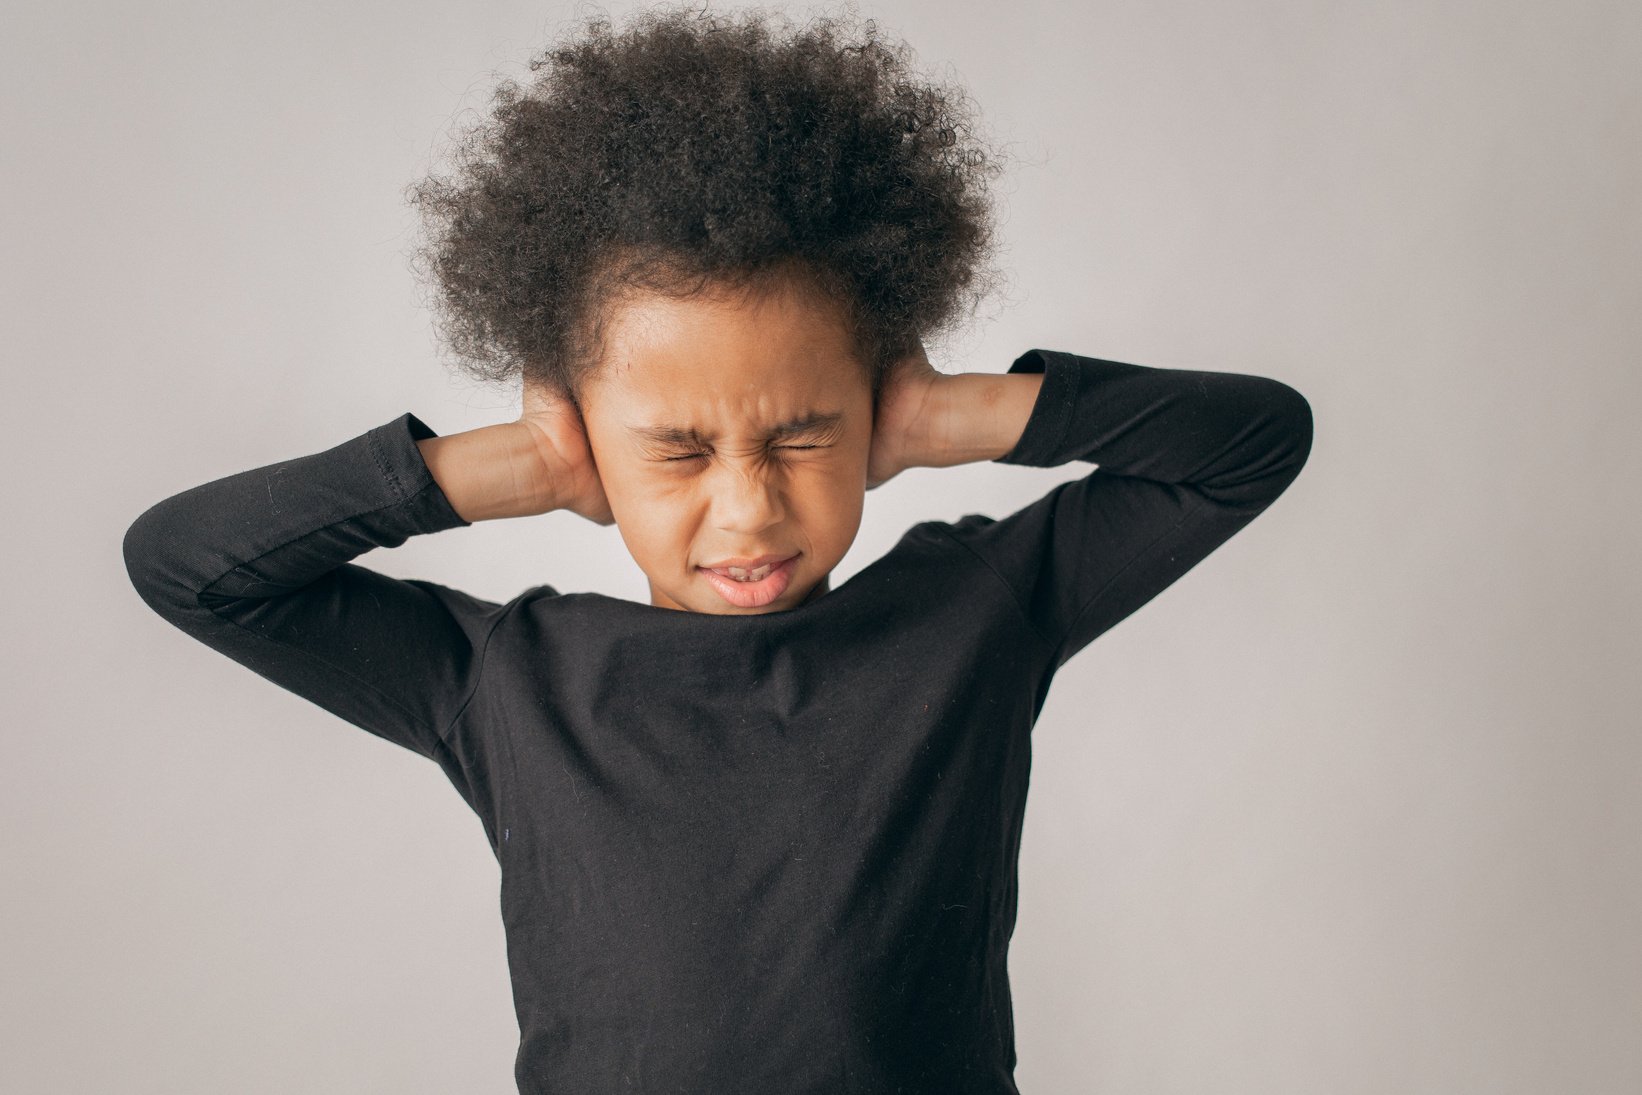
point(741, 853)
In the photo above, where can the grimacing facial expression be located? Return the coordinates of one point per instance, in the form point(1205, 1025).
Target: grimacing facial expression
point(731, 427)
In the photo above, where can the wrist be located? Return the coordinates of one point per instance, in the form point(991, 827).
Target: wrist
point(979, 416)
point(544, 472)
point(490, 472)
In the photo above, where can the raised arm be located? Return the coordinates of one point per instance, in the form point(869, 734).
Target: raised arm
point(1186, 459)
point(256, 566)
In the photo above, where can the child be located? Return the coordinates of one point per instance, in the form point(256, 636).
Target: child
point(759, 835)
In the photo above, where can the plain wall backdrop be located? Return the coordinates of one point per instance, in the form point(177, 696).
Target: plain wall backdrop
point(1352, 808)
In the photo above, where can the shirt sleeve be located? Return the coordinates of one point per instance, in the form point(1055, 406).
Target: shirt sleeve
point(1185, 459)
point(256, 566)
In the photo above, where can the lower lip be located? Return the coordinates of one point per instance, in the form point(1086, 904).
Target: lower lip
point(753, 594)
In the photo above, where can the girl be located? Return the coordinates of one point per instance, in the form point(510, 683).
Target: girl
point(759, 834)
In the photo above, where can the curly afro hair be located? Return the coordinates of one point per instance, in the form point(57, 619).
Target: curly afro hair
point(694, 153)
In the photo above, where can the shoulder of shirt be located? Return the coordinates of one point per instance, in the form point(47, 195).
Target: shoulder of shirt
point(945, 534)
point(481, 611)
point(927, 540)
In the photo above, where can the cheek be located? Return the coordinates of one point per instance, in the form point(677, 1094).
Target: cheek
point(638, 488)
point(656, 540)
point(830, 511)
point(651, 515)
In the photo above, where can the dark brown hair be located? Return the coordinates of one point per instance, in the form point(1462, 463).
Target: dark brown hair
point(693, 152)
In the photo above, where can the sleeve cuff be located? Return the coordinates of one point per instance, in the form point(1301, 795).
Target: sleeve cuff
point(1042, 438)
point(403, 469)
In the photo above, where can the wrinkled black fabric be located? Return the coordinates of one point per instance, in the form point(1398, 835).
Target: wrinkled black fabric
point(768, 853)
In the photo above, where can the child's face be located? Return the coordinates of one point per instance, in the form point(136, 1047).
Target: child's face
point(682, 417)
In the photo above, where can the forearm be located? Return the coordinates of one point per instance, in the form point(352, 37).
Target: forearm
point(258, 565)
point(492, 472)
point(1185, 458)
point(271, 530)
point(1239, 437)
point(978, 416)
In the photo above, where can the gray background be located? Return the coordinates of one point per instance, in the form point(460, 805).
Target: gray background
point(1351, 808)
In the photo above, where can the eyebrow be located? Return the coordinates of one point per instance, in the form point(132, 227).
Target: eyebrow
point(689, 435)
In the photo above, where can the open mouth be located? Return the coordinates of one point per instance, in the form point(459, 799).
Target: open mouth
point(752, 588)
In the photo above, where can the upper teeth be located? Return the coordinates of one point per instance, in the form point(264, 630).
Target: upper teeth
point(742, 574)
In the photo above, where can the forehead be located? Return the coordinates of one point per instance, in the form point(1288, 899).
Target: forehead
point(733, 362)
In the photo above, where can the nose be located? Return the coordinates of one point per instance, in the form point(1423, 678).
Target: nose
point(747, 500)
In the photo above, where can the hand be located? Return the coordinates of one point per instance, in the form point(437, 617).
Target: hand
point(907, 420)
point(561, 439)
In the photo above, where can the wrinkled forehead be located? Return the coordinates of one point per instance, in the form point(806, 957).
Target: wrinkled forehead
point(752, 363)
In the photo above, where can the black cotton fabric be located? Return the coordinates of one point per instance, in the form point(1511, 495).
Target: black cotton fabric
point(741, 853)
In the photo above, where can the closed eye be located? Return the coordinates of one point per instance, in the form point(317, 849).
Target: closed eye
point(702, 455)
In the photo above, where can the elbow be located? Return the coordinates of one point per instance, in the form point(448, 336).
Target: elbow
point(1298, 425)
point(1280, 445)
point(149, 548)
point(141, 549)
